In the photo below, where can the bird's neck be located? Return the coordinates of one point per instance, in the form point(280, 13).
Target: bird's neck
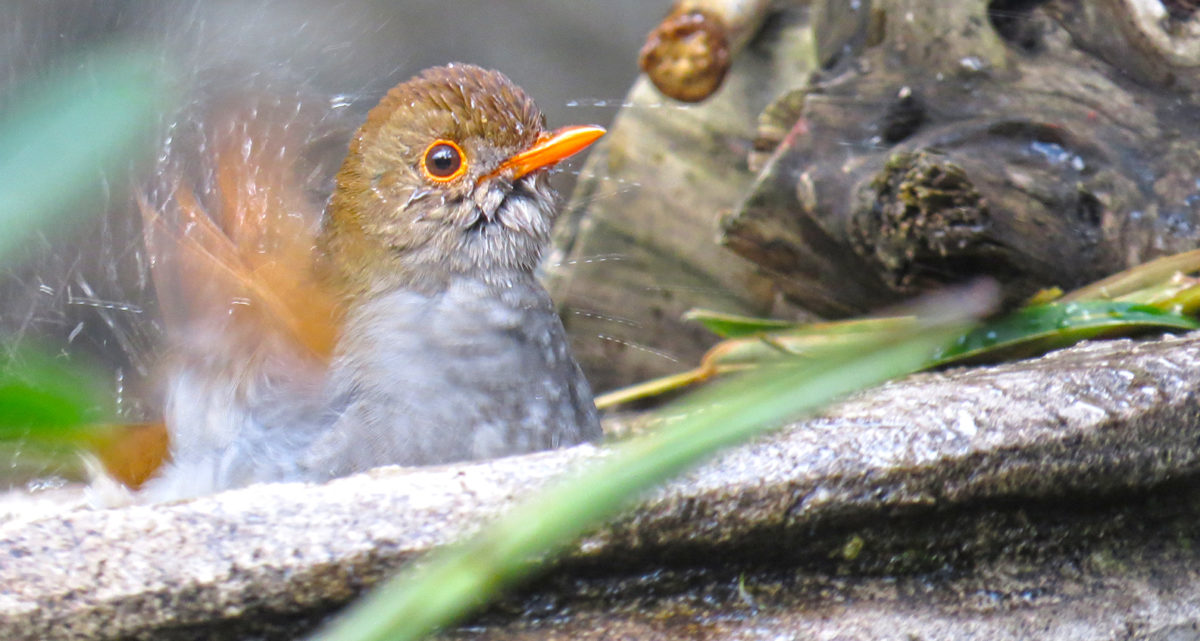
point(358, 283)
point(386, 276)
point(375, 322)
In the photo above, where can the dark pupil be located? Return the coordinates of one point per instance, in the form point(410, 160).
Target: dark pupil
point(442, 160)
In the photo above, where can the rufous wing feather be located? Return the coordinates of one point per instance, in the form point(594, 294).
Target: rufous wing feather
point(245, 264)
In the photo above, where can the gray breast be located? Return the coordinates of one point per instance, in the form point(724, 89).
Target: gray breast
point(477, 371)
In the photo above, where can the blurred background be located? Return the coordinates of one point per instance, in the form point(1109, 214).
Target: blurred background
point(559, 51)
point(74, 278)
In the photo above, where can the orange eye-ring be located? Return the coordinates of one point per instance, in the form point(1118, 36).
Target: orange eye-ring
point(443, 161)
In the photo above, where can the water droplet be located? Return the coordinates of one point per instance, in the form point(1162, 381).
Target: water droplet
point(972, 63)
point(1056, 154)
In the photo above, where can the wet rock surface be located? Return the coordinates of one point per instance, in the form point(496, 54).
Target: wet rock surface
point(1055, 499)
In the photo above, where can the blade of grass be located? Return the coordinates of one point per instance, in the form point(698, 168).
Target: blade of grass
point(1040, 328)
point(761, 348)
point(652, 387)
point(734, 325)
point(454, 581)
point(1185, 301)
point(1139, 304)
point(50, 410)
point(1135, 278)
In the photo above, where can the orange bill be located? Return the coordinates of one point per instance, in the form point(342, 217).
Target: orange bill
point(551, 148)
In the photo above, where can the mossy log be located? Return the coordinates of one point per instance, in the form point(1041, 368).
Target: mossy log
point(1043, 144)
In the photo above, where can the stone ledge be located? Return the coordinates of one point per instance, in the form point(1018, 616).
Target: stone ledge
point(1096, 420)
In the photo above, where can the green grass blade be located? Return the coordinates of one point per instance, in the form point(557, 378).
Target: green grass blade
point(733, 325)
point(1039, 328)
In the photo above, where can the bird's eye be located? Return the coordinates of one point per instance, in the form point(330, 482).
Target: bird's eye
point(443, 161)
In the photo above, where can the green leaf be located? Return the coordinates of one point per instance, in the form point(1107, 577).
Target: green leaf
point(48, 402)
point(1037, 329)
point(732, 325)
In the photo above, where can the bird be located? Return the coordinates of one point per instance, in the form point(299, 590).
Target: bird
point(408, 326)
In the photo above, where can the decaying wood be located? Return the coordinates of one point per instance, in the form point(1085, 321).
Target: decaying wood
point(912, 143)
point(637, 239)
point(1044, 144)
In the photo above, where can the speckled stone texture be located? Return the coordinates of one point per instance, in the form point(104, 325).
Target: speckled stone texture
point(1053, 499)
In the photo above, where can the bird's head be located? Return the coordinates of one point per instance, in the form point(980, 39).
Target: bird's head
point(446, 178)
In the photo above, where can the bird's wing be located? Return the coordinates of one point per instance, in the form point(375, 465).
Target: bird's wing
point(234, 268)
point(249, 256)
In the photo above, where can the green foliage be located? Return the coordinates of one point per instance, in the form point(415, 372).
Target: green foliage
point(48, 401)
point(59, 140)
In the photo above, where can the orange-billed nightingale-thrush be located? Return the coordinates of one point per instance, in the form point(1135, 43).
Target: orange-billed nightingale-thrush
point(446, 346)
